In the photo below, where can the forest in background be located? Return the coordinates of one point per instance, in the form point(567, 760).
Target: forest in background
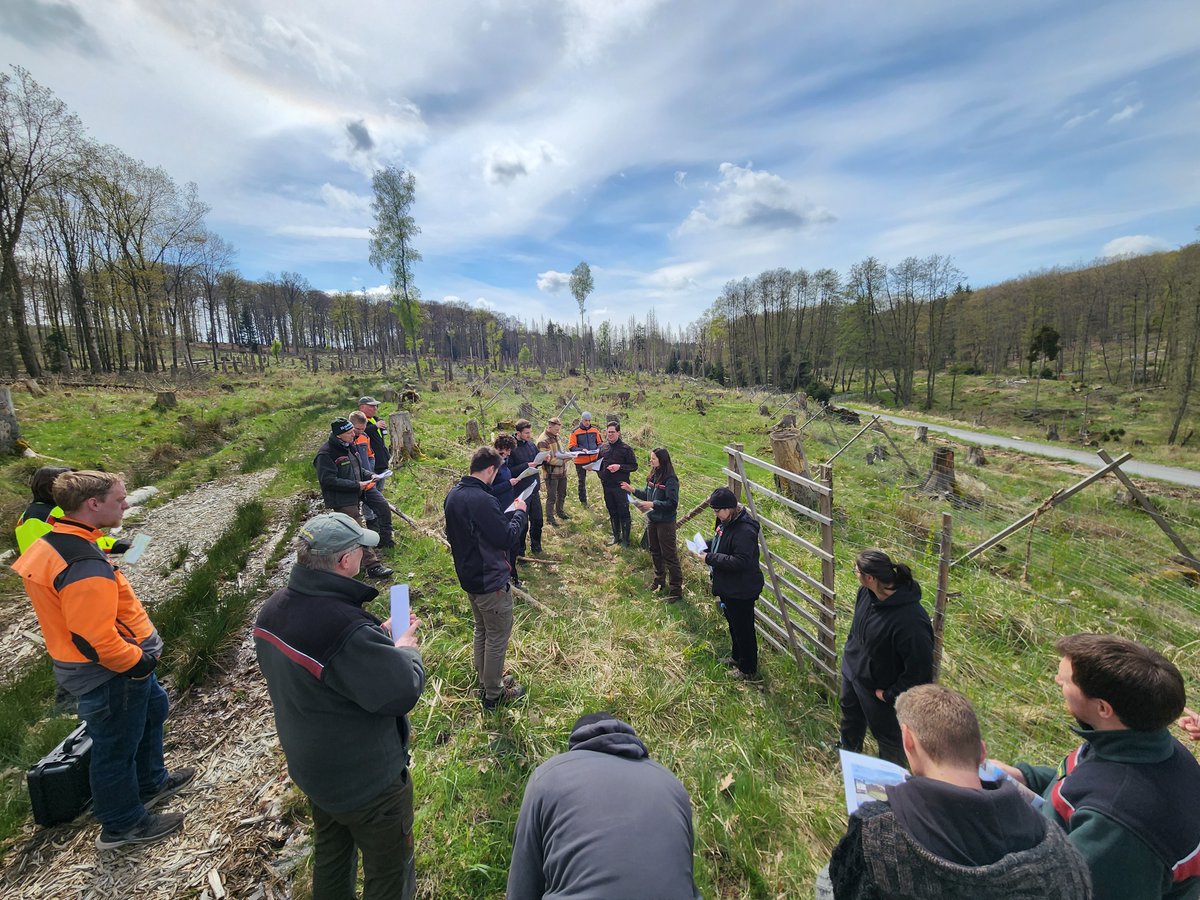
point(107, 265)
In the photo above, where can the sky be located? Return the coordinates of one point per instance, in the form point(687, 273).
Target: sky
point(672, 146)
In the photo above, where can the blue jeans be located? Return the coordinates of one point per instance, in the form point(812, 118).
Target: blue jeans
point(125, 722)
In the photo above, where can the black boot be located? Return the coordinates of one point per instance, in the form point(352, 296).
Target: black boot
point(616, 530)
point(625, 526)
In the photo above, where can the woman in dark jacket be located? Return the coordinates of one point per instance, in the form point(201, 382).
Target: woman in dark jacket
point(889, 649)
point(660, 502)
point(732, 560)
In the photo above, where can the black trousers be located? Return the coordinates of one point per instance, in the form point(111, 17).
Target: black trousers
point(581, 474)
point(618, 512)
point(861, 709)
point(533, 522)
point(743, 640)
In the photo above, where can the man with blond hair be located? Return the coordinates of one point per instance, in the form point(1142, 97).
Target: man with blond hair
point(946, 833)
point(105, 650)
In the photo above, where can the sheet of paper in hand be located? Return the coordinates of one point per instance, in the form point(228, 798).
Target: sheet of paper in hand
point(594, 466)
point(386, 473)
point(136, 548)
point(540, 458)
point(528, 473)
point(523, 496)
point(697, 544)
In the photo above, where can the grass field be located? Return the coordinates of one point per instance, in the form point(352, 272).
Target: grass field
point(766, 794)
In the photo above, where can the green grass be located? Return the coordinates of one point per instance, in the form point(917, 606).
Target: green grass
point(607, 643)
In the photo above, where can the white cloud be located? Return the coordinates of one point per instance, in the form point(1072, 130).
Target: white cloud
point(745, 198)
point(552, 282)
point(1133, 245)
point(591, 27)
point(678, 277)
point(1130, 110)
point(484, 304)
point(1079, 119)
point(504, 163)
point(341, 200)
point(680, 178)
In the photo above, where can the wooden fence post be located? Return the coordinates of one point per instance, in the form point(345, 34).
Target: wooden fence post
point(733, 465)
point(939, 608)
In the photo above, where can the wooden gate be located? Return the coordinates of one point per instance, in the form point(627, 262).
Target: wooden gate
point(796, 612)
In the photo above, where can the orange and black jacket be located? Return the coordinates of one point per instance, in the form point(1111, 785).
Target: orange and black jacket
point(93, 623)
point(585, 439)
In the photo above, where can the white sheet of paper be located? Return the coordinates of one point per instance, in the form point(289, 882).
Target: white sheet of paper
point(386, 473)
point(528, 473)
point(399, 599)
point(524, 495)
point(594, 466)
point(540, 458)
point(696, 544)
point(137, 548)
point(631, 499)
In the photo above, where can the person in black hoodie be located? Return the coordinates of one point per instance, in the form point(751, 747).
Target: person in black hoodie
point(480, 537)
point(603, 820)
point(889, 650)
point(732, 560)
point(617, 460)
point(343, 483)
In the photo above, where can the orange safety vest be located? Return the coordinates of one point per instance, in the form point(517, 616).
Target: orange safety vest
point(573, 444)
point(86, 608)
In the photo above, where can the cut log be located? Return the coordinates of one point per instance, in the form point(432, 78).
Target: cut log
point(402, 440)
point(473, 437)
point(940, 479)
point(921, 435)
point(976, 457)
point(788, 452)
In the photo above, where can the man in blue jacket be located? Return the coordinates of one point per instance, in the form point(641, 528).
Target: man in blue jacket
point(480, 538)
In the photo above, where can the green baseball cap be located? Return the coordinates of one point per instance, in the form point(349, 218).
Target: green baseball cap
point(335, 532)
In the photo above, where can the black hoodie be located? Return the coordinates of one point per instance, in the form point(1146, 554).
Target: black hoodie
point(890, 645)
point(733, 559)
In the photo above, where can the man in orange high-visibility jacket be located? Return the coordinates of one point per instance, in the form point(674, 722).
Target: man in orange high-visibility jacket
point(586, 439)
point(105, 649)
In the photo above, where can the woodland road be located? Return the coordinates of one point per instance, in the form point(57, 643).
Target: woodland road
point(1173, 474)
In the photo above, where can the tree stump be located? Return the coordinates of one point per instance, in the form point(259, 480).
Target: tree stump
point(623, 398)
point(940, 479)
point(402, 441)
point(473, 436)
point(700, 406)
point(9, 430)
point(434, 386)
point(921, 436)
point(389, 395)
point(525, 411)
point(975, 456)
point(641, 397)
point(165, 400)
point(34, 388)
point(876, 453)
point(788, 452)
point(1052, 433)
point(787, 421)
point(763, 410)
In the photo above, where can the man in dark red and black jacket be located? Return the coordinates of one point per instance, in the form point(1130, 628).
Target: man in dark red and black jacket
point(1127, 797)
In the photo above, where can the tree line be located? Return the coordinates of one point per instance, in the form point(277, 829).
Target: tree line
point(107, 265)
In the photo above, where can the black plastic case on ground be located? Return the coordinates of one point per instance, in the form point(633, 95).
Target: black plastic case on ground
point(59, 789)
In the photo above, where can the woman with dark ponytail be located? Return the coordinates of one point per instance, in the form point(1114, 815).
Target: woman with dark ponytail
point(889, 649)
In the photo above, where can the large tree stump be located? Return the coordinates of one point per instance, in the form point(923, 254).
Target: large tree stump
point(788, 420)
point(165, 400)
point(525, 411)
point(921, 435)
point(1052, 432)
point(434, 386)
point(788, 452)
point(763, 410)
point(940, 479)
point(402, 441)
point(700, 406)
point(9, 430)
point(473, 437)
point(623, 398)
point(975, 456)
point(876, 453)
